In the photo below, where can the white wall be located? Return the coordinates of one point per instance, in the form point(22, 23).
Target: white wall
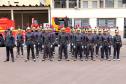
point(89, 13)
point(93, 14)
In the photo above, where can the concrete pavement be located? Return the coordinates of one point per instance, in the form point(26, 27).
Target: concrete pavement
point(79, 72)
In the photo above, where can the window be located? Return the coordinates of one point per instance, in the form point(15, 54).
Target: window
point(120, 3)
point(85, 22)
point(106, 22)
point(101, 3)
point(77, 22)
point(59, 3)
point(70, 22)
point(81, 22)
point(72, 3)
point(94, 4)
point(109, 3)
point(85, 4)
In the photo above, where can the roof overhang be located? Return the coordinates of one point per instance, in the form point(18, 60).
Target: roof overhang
point(24, 8)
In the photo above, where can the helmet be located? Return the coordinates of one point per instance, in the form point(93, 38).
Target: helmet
point(116, 30)
point(28, 28)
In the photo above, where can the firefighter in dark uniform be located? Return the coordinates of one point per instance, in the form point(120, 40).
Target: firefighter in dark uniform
point(72, 41)
point(40, 40)
point(117, 44)
point(98, 42)
point(95, 36)
point(48, 44)
point(110, 37)
point(36, 41)
point(90, 40)
point(9, 43)
point(83, 42)
point(20, 41)
point(78, 44)
point(105, 46)
point(29, 40)
point(53, 39)
point(63, 41)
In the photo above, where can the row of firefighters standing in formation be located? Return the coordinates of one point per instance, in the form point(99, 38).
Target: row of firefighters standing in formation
point(83, 44)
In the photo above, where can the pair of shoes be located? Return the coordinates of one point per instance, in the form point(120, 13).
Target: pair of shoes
point(75, 60)
point(34, 60)
point(43, 59)
point(86, 59)
point(26, 60)
point(114, 59)
point(93, 59)
point(67, 60)
point(6, 61)
point(59, 60)
point(108, 59)
point(118, 59)
point(51, 59)
point(81, 59)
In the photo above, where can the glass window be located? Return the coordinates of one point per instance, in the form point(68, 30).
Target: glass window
point(94, 4)
point(120, 3)
point(77, 22)
point(81, 22)
point(59, 3)
point(109, 3)
point(85, 4)
point(70, 22)
point(72, 3)
point(85, 22)
point(101, 22)
point(106, 22)
point(101, 3)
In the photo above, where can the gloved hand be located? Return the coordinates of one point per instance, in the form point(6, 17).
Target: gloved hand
point(74, 46)
point(82, 46)
point(100, 46)
point(58, 45)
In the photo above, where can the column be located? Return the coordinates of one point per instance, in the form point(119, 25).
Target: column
point(67, 3)
point(103, 3)
point(52, 4)
point(77, 3)
point(49, 16)
point(22, 21)
point(12, 14)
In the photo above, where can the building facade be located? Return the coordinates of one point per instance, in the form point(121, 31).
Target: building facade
point(23, 12)
point(96, 13)
point(19, 2)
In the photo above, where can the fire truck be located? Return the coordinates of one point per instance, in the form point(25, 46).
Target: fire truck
point(59, 22)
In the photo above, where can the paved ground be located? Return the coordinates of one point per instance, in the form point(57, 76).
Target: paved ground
point(105, 72)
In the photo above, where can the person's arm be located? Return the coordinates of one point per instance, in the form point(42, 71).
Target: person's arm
point(113, 41)
point(13, 41)
point(59, 38)
point(120, 41)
